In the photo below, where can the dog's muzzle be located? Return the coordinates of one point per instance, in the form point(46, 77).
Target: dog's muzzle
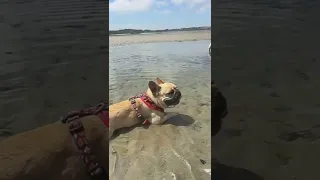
point(174, 99)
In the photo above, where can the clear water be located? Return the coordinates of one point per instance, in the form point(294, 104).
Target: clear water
point(266, 60)
point(51, 61)
point(174, 148)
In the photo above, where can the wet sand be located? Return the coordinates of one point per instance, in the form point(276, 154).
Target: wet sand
point(160, 37)
point(52, 60)
point(266, 61)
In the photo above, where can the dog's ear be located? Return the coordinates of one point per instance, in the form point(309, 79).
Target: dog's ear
point(154, 87)
point(159, 81)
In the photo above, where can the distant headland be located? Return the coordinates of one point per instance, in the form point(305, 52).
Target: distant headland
point(139, 31)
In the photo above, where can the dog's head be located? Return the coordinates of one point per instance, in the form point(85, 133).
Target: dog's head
point(163, 93)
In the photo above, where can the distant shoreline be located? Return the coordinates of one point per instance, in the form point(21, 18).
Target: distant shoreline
point(140, 31)
point(173, 36)
point(157, 32)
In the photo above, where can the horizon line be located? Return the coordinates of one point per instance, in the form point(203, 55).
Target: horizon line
point(160, 29)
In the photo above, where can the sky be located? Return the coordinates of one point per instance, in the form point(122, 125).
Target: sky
point(158, 14)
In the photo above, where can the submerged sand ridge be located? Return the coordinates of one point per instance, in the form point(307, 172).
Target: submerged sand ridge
point(160, 37)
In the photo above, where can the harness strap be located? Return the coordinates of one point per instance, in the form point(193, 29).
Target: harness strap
point(147, 101)
point(138, 114)
point(76, 129)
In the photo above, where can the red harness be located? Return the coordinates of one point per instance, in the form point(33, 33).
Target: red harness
point(104, 115)
point(76, 129)
point(147, 101)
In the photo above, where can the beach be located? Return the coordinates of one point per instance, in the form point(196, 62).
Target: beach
point(175, 36)
point(54, 62)
point(181, 148)
point(265, 60)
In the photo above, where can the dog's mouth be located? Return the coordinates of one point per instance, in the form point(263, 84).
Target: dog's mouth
point(173, 100)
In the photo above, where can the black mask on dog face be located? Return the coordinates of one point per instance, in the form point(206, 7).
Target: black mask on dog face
point(172, 98)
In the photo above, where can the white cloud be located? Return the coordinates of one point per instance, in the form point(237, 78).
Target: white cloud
point(189, 2)
point(161, 3)
point(129, 6)
point(126, 6)
point(204, 7)
point(177, 2)
point(200, 5)
point(165, 11)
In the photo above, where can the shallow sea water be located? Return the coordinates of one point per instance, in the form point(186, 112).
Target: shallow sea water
point(266, 62)
point(181, 148)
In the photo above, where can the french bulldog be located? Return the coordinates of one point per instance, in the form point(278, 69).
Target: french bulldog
point(50, 152)
point(147, 108)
